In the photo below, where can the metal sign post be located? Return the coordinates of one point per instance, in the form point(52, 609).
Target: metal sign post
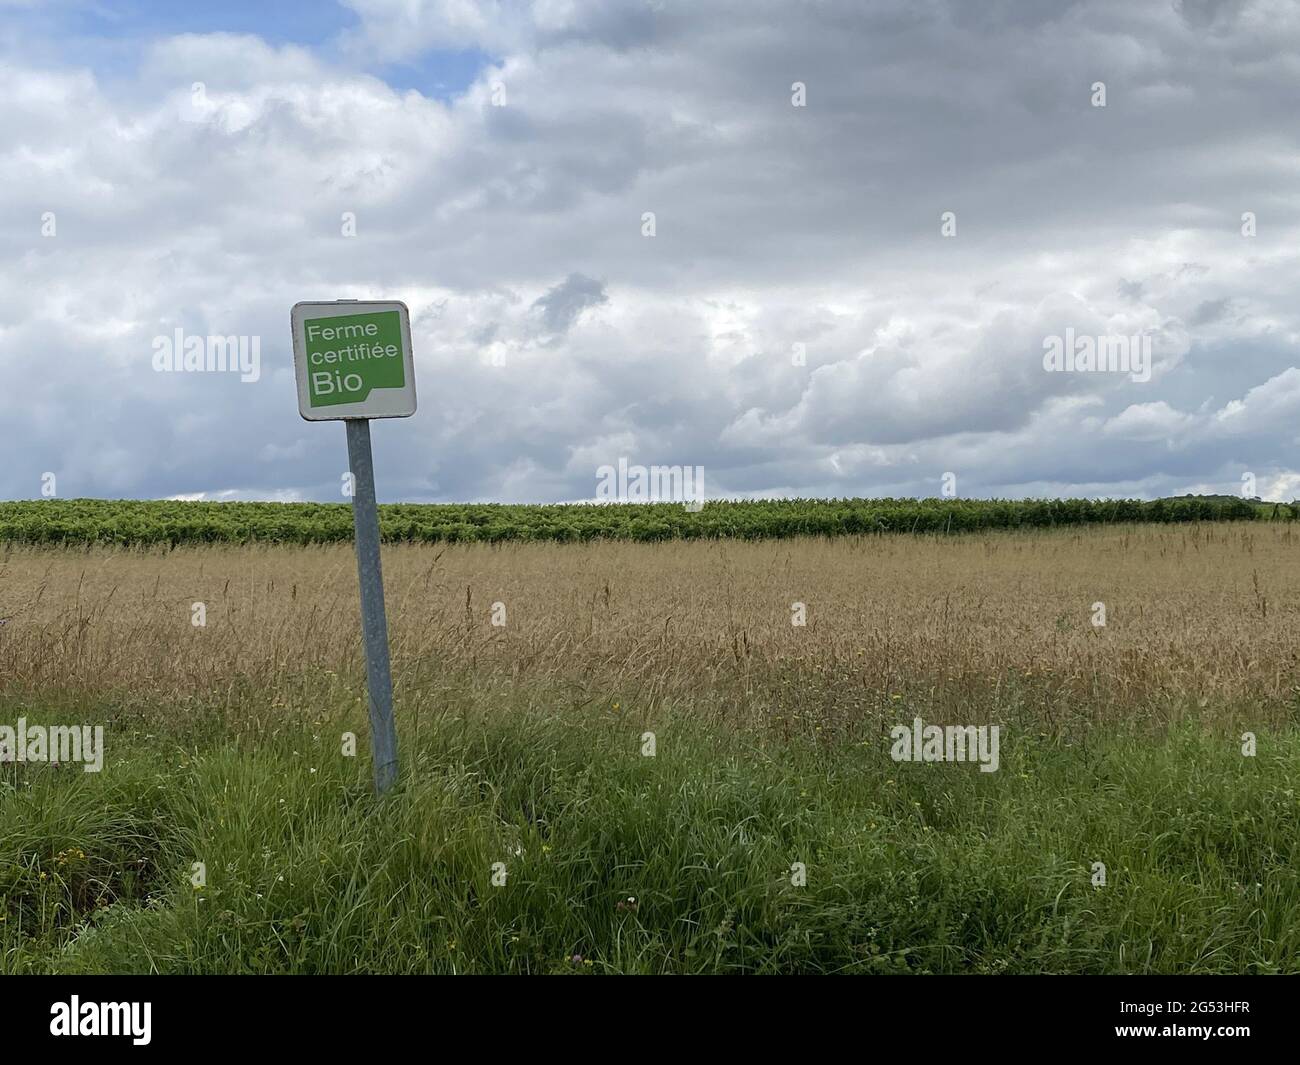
point(353, 362)
point(374, 622)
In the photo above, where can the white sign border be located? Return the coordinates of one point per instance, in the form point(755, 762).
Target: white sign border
point(382, 402)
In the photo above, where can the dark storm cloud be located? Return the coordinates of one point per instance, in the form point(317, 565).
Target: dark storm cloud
point(562, 304)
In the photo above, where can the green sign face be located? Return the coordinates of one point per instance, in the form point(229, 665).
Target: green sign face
point(349, 355)
point(353, 359)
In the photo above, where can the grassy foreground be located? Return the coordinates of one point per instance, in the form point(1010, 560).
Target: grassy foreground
point(909, 867)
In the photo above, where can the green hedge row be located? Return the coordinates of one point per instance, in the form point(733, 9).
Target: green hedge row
point(81, 521)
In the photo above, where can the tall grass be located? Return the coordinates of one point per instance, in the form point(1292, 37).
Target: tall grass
point(522, 745)
point(1194, 614)
point(619, 862)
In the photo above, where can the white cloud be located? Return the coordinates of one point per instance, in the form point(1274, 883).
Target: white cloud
point(552, 337)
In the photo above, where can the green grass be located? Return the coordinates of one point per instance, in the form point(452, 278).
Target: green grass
point(911, 868)
point(85, 521)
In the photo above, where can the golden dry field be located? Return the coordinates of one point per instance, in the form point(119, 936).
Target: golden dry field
point(1000, 623)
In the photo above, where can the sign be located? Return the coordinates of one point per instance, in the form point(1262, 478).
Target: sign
point(353, 359)
point(353, 362)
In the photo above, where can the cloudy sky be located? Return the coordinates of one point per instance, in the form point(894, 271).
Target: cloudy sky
point(801, 321)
